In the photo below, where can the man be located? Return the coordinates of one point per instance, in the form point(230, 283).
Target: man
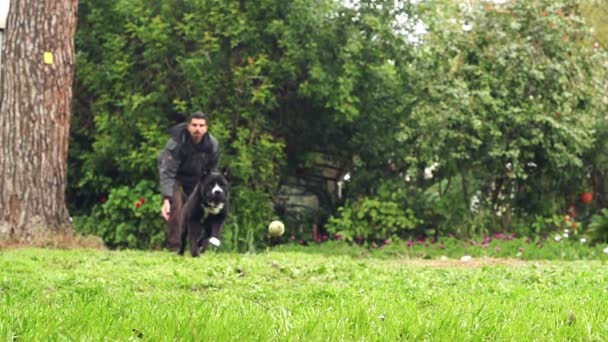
point(190, 150)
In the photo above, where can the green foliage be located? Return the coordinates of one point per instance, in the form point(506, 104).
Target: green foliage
point(257, 165)
point(128, 218)
point(372, 220)
point(508, 107)
point(598, 228)
point(542, 226)
point(511, 110)
point(143, 67)
point(246, 229)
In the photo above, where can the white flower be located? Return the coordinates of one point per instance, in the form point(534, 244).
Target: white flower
point(428, 173)
point(566, 235)
point(566, 231)
point(558, 238)
point(583, 240)
point(466, 27)
point(347, 177)
point(606, 250)
point(407, 178)
point(474, 206)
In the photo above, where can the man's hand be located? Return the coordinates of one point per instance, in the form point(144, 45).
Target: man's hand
point(166, 209)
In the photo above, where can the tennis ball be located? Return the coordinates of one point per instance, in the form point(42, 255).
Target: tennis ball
point(276, 228)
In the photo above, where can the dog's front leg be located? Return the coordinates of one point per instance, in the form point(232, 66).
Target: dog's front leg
point(216, 229)
point(195, 230)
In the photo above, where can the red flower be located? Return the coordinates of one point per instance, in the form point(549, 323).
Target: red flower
point(138, 204)
point(586, 197)
point(142, 200)
point(103, 200)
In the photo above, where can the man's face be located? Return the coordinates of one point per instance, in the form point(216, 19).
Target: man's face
point(197, 128)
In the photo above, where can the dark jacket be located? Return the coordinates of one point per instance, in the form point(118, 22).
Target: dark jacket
point(184, 161)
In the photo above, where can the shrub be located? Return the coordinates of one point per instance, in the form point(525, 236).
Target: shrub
point(598, 228)
point(371, 220)
point(128, 218)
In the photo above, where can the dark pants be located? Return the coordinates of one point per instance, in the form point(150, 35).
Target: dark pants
point(180, 194)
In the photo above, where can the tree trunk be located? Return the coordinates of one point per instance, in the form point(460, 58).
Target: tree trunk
point(35, 107)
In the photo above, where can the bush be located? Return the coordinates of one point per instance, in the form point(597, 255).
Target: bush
point(598, 228)
point(128, 218)
point(372, 220)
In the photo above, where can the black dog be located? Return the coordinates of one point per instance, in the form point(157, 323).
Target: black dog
point(205, 212)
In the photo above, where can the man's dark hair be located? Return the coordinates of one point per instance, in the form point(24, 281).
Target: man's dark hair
point(199, 115)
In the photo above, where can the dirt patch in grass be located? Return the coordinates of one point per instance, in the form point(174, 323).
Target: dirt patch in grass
point(59, 241)
point(472, 263)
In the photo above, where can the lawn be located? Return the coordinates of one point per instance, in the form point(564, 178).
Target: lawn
point(295, 295)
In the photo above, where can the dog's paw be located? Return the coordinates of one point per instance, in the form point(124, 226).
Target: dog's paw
point(214, 241)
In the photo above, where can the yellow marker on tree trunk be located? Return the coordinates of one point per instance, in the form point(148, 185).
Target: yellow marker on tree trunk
point(48, 58)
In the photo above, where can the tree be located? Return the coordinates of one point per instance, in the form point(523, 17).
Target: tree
point(35, 112)
point(509, 105)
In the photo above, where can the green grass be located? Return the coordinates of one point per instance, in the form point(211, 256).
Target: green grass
point(295, 296)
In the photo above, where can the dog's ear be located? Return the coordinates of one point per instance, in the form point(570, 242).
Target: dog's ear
point(226, 172)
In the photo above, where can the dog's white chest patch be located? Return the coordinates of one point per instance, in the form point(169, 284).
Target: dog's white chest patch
point(212, 210)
